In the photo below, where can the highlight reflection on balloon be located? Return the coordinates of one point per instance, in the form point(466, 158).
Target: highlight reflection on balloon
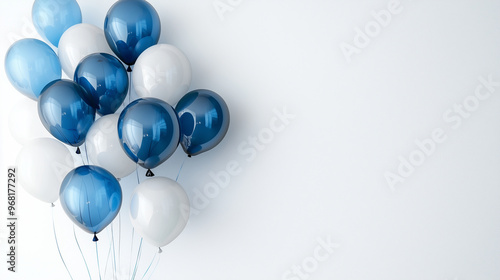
point(149, 131)
point(64, 113)
point(52, 18)
point(105, 81)
point(91, 197)
point(30, 65)
point(131, 26)
point(204, 120)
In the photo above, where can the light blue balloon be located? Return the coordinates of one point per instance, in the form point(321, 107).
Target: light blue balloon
point(30, 65)
point(52, 17)
point(91, 197)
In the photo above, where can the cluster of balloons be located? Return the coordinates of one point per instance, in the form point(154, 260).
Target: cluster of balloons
point(86, 110)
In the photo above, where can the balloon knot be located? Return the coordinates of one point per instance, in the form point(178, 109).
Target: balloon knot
point(78, 151)
point(160, 250)
point(129, 69)
point(149, 173)
point(95, 238)
point(189, 156)
point(52, 205)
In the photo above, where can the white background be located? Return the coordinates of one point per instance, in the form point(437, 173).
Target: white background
point(322, 177)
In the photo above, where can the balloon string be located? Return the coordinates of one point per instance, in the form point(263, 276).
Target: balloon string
point(97, 257)
point(137, 173)
point(107, 261)
point(87, 153)
point(131, 248)
point(154, 269)
point(129, 84)
point(180, 169)
point(137, 259)
point(114, 254)
point(119, 240)
point(57, 243)
point(81, 253)
point(83, 161)
point(152, 261)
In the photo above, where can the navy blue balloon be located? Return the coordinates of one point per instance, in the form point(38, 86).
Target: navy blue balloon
point(149, 131)
point(64, 113)
point(91, 197)
point(131, 26)
point(105, 81)
point(204, 120)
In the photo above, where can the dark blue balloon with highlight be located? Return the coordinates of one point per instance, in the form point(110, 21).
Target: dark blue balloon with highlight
point(91, 197)
point(149, 131)
point(131, 26)
point(64, 113)
point(204, 120)
point(105, 81)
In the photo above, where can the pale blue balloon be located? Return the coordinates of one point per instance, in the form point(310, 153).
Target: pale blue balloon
point(52, 17)
point(30, 65)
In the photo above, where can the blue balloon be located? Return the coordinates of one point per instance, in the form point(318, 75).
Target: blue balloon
point(30, 65)
point(131, 26)
point(52, 17)
point(91, 197)
point(204, 120)
point(105, 81)
point(64, 113)
point(149, 131)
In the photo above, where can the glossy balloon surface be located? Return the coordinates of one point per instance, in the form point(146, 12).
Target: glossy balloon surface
point(105, 81)
point(159, 210)
point(149, 131)
point(42, 165)
point(91, 197)
point(79, 41)
point(104, 148)
point(53, 17)
point(131, 26)
point(30, 65)
point(64, 113)
point(163, 72)
point(204, 120)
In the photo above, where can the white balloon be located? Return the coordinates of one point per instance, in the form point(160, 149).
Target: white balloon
point(42, 165)
point(104, 148)
point(79, 41)
point(24, 123)
point(162, 71)
point(159, 210)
